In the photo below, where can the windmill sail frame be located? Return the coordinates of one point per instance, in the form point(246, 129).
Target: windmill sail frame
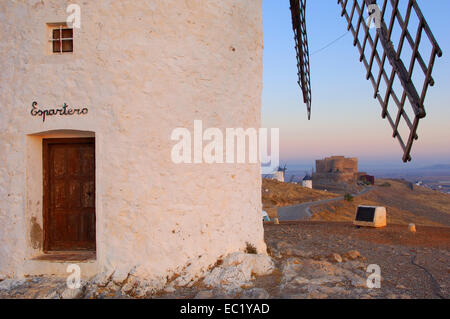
point(387, 51)
point(298, 12)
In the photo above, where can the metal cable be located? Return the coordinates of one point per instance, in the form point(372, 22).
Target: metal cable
point(329, 44)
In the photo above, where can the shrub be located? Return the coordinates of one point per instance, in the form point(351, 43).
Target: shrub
point(250, 249)
point(348, 197)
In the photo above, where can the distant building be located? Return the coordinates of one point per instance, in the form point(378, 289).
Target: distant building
point(307, 182)
point(369, 179)
point(336, 169)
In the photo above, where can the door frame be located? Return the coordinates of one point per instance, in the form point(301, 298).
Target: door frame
point(46, 142)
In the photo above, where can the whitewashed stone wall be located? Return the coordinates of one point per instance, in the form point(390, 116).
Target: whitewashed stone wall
point(142, 68)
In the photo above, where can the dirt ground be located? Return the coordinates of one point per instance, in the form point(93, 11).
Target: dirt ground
point(393, 248)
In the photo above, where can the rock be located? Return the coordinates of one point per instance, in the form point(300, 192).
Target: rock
point(300, 280)
point(204, 294)
point(275, 253)
point(119, 295)
point(359, 282)
point(295, 252)
point(128, 287)
point(255, 293)
point(102, 279)
point(293, 296)
point(334, 257)
point(53, 295)
point(37, 280)
point(102, 295)
point(311, 274)
point(352, 254)
point(119, 277)
point(298, 272)
point(325, 280)
point(237, 270)
point(282, 245)
point(144, 288)
point(400, 287)
point(336, 291)
point(10, 284)
point(317, 295)
point(290, 269)
point(229, 294)
point(228, 276)
point(90, 292)
point(412, 228)
point(170, 289)
point(355, 265)
point(69, 293)
point(141, 292)
point(259, 264)
point(112, 286)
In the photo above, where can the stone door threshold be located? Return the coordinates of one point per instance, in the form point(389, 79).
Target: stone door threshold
point(67, 256)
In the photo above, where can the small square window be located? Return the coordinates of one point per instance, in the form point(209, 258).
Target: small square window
point(62, 39)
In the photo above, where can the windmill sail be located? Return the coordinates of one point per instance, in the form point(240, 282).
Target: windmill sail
point(394, 62)
point(298, 8)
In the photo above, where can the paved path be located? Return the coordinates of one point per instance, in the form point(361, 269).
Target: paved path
point(302, 211)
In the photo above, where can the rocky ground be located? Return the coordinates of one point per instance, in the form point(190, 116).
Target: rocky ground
point(306, 260)
point(399, 253)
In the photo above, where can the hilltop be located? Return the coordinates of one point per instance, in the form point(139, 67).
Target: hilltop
point(405, 202)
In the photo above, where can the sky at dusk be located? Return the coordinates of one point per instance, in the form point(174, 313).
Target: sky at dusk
point(346, 120)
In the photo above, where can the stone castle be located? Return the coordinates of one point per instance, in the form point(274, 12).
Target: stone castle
point(336, 169)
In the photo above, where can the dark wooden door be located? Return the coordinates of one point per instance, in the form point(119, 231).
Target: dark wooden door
point(69, 194)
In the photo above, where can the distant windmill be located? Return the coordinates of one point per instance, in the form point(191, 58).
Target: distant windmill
point(282, 169)
point(390, 72)
point(280, 173)
point(307, 180)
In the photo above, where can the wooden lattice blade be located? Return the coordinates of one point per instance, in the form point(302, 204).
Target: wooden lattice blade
point(298, 11)
point(386, 53)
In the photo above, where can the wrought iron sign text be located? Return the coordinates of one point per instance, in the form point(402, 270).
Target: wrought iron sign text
point(64, 110)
